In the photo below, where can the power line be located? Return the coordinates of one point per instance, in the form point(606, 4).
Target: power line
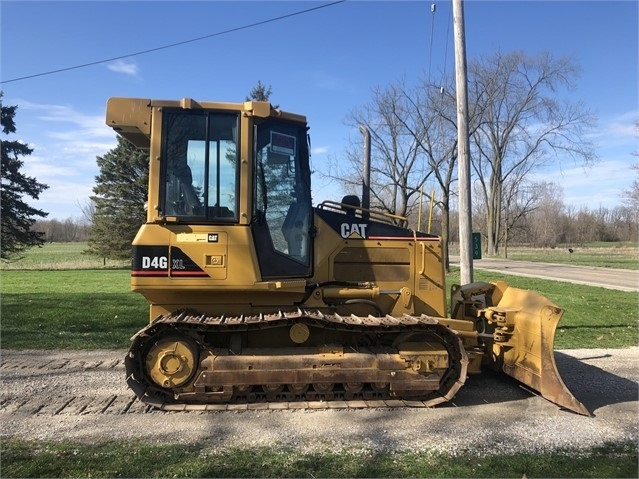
point(433, 9)
point(449, 23)
point(184, 42)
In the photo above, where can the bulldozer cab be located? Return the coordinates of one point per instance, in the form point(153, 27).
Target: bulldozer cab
point(227, 164)
point(201, 182)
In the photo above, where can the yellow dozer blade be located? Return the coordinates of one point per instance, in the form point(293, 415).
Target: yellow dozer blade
point(524, 337)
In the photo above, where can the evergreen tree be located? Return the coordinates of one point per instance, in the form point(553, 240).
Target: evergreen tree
point(17, 217)
point(119, 196)
point(260, 92)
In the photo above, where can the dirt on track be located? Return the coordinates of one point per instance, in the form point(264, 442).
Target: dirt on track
point(82, 396)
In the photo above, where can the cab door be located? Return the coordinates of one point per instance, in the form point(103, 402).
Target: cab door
point(282, 215)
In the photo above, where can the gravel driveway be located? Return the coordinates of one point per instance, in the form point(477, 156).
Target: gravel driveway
point(82, 396)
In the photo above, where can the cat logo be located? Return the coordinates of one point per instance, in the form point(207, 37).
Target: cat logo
point(355, 230)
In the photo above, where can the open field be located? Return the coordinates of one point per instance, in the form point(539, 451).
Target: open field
point(62, 256)
point(604, 255)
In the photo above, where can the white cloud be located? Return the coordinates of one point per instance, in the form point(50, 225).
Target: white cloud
point(44, 170)
point(64, 199)
point(621, 129)
point(66, 143)
point(592, 187)
point(93, 125)
point(126, 67)
point(320, 150)
point(603, 183)
point(618, 132)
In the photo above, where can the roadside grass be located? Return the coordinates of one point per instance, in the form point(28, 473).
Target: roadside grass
point(603, 255)
point(621, 255)
point(138, 459)
point(594, 317)
point(94, 309)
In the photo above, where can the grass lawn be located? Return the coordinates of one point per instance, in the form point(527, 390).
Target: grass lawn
point(69, 309)
point(29, 459)
point(89, 309)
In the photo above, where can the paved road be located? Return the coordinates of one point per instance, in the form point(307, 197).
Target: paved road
point(620, 279)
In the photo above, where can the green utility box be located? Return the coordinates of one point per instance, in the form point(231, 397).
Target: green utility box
point(476, 245)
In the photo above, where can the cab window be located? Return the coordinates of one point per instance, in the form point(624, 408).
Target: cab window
point(200, 165)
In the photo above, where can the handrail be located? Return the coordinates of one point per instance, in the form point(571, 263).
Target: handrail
point(387, 217)
point(423, 247)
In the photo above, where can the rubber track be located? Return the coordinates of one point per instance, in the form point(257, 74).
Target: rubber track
point(193, 322)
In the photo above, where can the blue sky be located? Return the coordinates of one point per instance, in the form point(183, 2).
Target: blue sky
point(322, 64)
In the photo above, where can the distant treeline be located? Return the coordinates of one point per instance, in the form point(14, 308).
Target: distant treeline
point(541, 227)
point(65, 231)
point(548, 227)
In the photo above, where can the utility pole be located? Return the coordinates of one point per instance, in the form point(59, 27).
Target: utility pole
point(463, 147)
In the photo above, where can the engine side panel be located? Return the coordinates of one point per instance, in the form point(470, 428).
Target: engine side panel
point(406, 264)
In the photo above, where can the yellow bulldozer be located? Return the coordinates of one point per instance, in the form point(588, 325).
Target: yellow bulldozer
point(257, 296)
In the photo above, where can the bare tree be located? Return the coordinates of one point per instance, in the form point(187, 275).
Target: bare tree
point(545, 225)
point(88, 212)
point(549, 222)
point(432, 122)
point(57, 231)
point(628, 214)
point(398, 168)
point(520, 198)
point(522, 126)
point(631, 195)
